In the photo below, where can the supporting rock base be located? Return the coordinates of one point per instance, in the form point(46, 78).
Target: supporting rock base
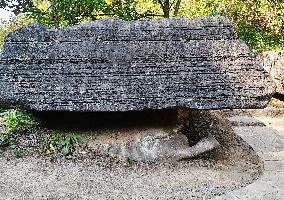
point(150, 144)
point(142, 136)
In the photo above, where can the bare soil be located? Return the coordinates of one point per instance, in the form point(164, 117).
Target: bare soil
point(88, 175)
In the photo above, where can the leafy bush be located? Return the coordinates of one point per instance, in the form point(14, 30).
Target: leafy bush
point(50, 141)
point(57, 142)
point(14, 122)
point(260, 23)
point(259, 40)
point(17, 121)
point(66, 144)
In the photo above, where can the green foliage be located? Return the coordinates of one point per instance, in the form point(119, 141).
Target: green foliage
point(59, 13)
point(260, 40)
point(14, 122)
point(17, 121)
point(63, 13)
point(260, 23)
point(50, 141)
point(15, 23)
point(66, 144)
point(57, 142)
point(9, 140)
point(5, 140)
point(18, 152)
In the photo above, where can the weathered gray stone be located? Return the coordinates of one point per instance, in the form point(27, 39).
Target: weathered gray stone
point(114, 65)
point(152, 135)
point(274, 63)
point(245, 121)
point(149, 144)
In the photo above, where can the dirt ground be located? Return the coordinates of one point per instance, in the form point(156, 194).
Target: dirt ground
point(90, 176)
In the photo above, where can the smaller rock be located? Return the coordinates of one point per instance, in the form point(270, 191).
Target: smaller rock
point(245, 121)
point(274, 64)
point(149, 144)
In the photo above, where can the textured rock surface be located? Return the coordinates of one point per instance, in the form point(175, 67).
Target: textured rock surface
point(152, 135)
point(274, 64)
point(113, 65)
point(268, 142)
point(149, 144)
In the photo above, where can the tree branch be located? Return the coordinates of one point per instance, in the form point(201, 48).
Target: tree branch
point(177, 7)
point(161, 3)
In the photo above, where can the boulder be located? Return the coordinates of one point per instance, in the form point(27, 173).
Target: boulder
point(115, 65)
point(273, 62)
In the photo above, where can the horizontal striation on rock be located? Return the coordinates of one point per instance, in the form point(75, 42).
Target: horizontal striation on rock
point(114, 65)
point(274, 64)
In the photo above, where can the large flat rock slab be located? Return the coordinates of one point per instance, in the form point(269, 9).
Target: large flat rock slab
point(114, 65)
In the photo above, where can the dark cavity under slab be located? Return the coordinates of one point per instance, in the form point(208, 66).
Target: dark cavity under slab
point(97, 120)
point(150, 135)
point(279, 96)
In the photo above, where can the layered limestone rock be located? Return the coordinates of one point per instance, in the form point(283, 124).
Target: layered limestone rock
point(273, 62)
point(114, 65)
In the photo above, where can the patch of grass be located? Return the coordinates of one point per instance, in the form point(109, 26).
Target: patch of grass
point(57, 142)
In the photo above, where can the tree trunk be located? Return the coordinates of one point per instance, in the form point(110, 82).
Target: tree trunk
point(54, 17)
point(177, 7)
point(119, 7)
point(166, 9)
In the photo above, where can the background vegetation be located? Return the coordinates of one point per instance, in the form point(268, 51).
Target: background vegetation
point(258, 22)
point(19, 128)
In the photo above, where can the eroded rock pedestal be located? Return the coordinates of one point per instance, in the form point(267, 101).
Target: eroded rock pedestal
point(155, 135)
point(117, 66)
